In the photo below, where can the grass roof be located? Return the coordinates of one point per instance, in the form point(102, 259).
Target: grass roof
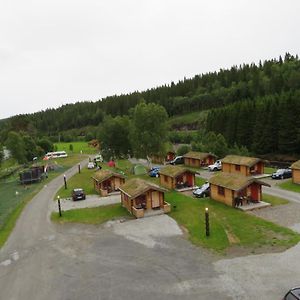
point(296, 165)
point(234, 182)
point(173, 171)
point(105, 174)
point(198, 155)
point(241, 160)
point(136, 186)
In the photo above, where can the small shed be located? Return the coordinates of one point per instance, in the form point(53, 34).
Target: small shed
point(228, 187)
point(243, 165)
point(175, 177)
point(141, 197)
point(296, 172)
point(198, 159)
point(106, 181)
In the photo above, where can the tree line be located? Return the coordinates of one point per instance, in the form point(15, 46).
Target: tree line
point(206, 91)
point(269, 124)
point(240, 96)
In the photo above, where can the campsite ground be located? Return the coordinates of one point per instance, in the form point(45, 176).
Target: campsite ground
point(84, 261)
point(147, 258)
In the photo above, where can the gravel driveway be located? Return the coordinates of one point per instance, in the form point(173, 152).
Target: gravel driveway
point(90, 201)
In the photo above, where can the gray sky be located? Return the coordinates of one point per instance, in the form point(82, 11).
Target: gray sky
point(54, 52)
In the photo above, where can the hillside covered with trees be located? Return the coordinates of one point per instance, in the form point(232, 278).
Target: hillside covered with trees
point(256, 106)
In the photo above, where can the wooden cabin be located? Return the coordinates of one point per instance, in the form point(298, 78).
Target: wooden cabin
point(243, 165)
point(170, 155)
point(175, 177)
point(198, 159)
point(228, 187)
point(296, 172)
point(141, 197)
point(106, 181)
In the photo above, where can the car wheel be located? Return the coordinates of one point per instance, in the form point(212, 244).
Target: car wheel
point(282, 177)
point(215, 169)
point(156, 175)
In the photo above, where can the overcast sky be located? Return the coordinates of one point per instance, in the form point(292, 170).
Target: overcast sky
point(60, 51)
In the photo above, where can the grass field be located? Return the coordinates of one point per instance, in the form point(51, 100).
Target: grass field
point(15, 196)
point(96, 215)
point(229, 227)
point(290, 186)
point(198, 116)
point(273, 200)
point(77, 147)
point(269, 170)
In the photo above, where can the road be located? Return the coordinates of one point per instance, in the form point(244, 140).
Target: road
point(138, 259)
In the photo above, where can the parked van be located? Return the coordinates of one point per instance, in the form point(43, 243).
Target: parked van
point(56, 154)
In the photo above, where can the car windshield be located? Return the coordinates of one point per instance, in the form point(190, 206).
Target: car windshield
point(204, 186)
point(280, 171)
point(78, 191)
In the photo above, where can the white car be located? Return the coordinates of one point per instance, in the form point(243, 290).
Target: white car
point(98, 158)
point(91, 165)
point(217, 166)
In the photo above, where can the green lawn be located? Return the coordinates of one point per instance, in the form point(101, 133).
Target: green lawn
point(80, 180)
point(95, 215)
point(77, 147)
point(269, 170)
point(12, 203)
point(190, 118)
point(229, 226)
point(290, 186)
point(274, 200)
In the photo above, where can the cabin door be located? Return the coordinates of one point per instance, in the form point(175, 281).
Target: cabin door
point(254, 191)
point(155, 199)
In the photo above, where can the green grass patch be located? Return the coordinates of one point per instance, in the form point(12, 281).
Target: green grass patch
point(290, 186)
point(200, 181)
point(229, 226)
point(77, 147)
point(273, 200)
point(95, 215)
point(191, 118)
point(80, 180)
point(269, 170)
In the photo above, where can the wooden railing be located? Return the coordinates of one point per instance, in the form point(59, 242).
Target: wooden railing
point(138, 212)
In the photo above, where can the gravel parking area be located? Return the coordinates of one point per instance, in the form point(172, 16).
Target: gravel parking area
point(286, 215)
point(90, 201)
point(149, 232)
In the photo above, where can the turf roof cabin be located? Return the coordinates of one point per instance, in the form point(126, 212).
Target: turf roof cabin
point(106, 181)
point(170, 155)
point(243, 165)
point(227, 188)
point(296, 172)
point(175, 177)
point(198, 159)
point(141, 197)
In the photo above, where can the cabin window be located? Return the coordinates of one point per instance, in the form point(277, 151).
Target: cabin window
point(166, 178)
point(237, 167)
point(221, 191)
